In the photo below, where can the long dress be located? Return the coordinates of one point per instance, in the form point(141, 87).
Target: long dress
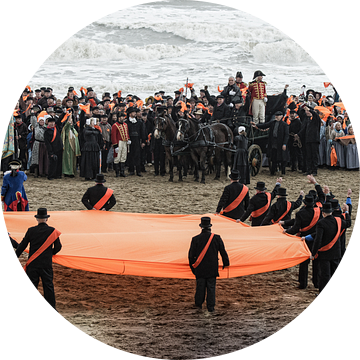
point(90, 153)
point(339, 147)
point(70, 139)
point(39, 156)
point(241, 157)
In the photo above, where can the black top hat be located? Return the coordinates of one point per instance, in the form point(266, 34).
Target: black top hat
point(309, 200)
point(130, 110)
point(281, 191)
point(42, 213)
point(334, 203)
point(327, 208)
point(239, 74)
point(100, 178)
point(313, 193)
point(260, 185)
point(205, 222)
point(235, 174)
point(177, 92)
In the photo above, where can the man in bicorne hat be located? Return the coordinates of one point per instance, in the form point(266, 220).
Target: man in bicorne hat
point(234, 199)
point(257, 89)
point(259, 204)
point(204, 263)
point(99, 197)
point(44, 243)
point(13, 193)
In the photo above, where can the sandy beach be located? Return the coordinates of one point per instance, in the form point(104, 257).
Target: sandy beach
point(155, 317)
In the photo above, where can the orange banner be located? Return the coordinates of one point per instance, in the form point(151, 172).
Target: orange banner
point(157, 245)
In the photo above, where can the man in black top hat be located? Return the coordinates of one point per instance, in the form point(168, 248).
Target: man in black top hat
point(40, 266)
point(204, 263)
point(54, 147)
point(234, 199)
point(282, 209)
point(222, 111)
point(99, 197)
point(259, 204)
point(305, 224)
point(137, 138)
point(327, 243)
point(277, 144)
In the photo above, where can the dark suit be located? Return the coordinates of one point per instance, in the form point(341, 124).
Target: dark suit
point(303, 219)
point(94, 194)
point(257, 202)
point(277, 138)
point(208, 269)
point(279, 208)
point(55, 152)
point(329, 260)
point(230, 193)
point(41, 267)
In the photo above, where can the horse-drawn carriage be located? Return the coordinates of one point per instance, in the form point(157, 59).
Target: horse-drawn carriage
point(191, 137)
point(201, 141)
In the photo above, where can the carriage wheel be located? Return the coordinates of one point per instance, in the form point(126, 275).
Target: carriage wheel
point(255, 159)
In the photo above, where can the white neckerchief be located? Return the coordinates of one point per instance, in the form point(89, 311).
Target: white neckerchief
point(133, 120)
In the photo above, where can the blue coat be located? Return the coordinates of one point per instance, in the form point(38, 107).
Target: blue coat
point(13, 191)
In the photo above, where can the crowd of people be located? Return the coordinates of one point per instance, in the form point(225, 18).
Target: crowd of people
point(84, 134)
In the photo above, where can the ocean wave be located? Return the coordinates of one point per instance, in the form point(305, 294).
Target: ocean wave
point(77, 49)
point(285, 52)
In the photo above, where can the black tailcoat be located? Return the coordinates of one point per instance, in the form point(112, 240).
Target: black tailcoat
point(209, 266)
point(257, 202)
point(94, 194)
point(230, 193)
point(279, 208)
point(326, 229)
point(36, 236)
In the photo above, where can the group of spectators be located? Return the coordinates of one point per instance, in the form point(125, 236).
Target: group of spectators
point(82, 133)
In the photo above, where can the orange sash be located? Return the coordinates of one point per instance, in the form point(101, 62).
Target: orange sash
point(48, 242)
point(202, 254)
point(262, 210)
point(54, 136)
point(314, 220)
point(288, 207)
point(333, 241)
point(104, 199)
point(237, 201)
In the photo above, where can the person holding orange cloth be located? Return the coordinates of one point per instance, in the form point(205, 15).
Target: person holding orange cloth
point(99, 197)
point(234, 199)
point(204, 263)
point(44, 243)
point(260, 203)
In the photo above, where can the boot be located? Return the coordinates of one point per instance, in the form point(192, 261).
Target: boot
point(36, 172)
point(117, 170)
point(122, 170)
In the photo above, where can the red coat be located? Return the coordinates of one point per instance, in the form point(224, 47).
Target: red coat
point(257, 91)
point(119, 132)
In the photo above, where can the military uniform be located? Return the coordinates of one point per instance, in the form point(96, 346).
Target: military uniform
point(257, 91)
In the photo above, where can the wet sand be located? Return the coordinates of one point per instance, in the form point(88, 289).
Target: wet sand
point(155, 317)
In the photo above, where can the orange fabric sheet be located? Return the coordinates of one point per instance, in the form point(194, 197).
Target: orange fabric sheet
point(157, 245)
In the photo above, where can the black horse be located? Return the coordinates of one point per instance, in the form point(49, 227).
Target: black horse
point(165, 128)
point(206, 142)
